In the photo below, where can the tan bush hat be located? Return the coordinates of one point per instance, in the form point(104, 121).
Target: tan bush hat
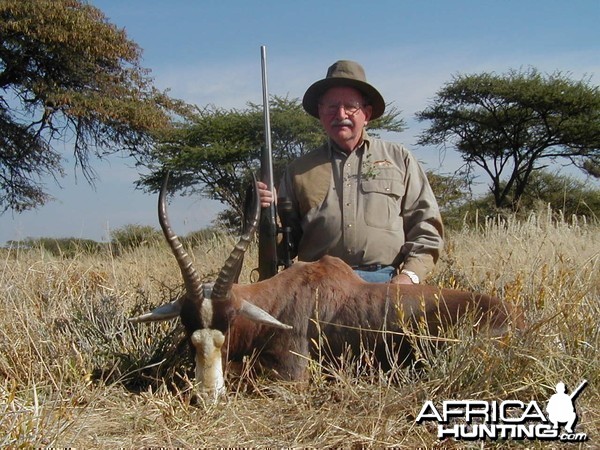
point(343, 73)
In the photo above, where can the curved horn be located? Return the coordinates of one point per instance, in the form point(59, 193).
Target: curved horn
point(233, 265)
point(193, 284)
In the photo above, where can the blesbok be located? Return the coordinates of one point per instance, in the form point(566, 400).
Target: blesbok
point(280, 319)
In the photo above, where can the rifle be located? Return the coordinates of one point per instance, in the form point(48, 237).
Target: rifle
point(267, 231)
point(268, 259)
point(577, 391)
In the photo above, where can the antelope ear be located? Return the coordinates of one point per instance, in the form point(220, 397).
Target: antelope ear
point(259, 315)
point(164, 312)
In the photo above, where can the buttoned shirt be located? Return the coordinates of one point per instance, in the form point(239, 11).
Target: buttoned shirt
point(372, 206)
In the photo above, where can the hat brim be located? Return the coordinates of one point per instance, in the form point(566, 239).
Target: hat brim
point(310, 102)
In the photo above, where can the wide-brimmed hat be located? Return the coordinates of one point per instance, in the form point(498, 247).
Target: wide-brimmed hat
point(343, 73)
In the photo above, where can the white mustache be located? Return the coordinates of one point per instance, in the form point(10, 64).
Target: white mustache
point(342, 123)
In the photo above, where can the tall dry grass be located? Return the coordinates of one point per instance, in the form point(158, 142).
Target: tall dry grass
point(74, 372)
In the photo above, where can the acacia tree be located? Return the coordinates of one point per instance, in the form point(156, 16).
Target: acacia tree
point(217, 151)
point(68, 76)
point(511, 125)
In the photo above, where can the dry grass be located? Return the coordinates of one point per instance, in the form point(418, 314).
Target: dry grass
point(74, 372)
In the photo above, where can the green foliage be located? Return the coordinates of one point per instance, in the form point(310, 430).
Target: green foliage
point(60, 247)
point(216, 153)
point(568, 198)
point(450, 191)
point(132, 236)
point(510, 124)
point(200, 237)
point(126, 238)
point(592, 167)
point(569, 195)
point(68, 74)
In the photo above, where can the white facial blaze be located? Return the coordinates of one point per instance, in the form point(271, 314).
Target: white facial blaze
point(206, 313)
point(209, 367)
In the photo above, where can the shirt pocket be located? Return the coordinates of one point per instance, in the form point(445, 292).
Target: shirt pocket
point(382, 198)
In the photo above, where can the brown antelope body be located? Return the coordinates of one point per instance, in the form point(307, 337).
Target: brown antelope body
point(280, 319)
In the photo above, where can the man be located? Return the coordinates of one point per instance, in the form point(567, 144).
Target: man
point(361, 199)
point(560, 409)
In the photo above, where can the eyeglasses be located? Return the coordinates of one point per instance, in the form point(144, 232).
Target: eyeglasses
point(351, 108)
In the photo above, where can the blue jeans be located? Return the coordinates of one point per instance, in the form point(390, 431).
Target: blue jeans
point(383, 275)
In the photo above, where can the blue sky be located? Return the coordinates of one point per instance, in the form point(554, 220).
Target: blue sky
point(208, 52)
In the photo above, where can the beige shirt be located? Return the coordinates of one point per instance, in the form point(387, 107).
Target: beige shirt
point(372, 206)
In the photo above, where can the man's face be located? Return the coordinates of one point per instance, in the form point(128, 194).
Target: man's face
point(343, 114)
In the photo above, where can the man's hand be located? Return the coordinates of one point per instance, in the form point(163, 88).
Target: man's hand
point(266, 197)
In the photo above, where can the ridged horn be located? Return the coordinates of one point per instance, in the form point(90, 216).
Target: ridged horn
point(231, 269)
point(191, 280)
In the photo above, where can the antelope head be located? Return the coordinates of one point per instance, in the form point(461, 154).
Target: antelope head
point(206, 310)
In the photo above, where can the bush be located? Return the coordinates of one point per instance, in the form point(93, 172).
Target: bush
point(570, 199)
point(197, 238)
point(132, 236)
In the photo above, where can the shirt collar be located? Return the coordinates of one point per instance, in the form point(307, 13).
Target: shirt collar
point(364, 144)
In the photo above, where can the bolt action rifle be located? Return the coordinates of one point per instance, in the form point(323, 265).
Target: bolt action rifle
point(268, 259)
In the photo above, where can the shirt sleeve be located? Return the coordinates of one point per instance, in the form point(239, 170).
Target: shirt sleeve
point(423, 228)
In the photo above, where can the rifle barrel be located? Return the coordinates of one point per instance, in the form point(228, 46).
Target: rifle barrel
point(579, 388)
point(268, 176)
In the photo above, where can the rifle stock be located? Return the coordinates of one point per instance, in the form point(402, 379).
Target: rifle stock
point(267, 244)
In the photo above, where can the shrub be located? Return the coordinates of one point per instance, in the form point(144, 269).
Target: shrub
point(132, 236)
